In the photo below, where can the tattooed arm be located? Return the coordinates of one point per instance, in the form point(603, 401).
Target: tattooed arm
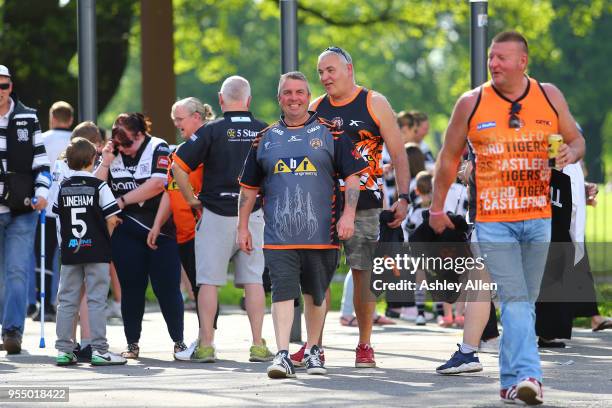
point(346, 224)
point(246, 203)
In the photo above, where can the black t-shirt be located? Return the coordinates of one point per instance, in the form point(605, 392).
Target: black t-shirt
point(128, 173)
point(561, 205)
point(83, 205)
point(222, 146)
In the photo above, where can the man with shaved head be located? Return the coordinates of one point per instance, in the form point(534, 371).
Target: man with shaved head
point(368, 119)
point(222, 146)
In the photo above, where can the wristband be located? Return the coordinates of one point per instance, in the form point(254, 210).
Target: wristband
point(435, 213)
point(405, 197)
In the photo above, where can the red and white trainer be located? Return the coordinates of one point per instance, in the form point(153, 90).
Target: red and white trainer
point(364, 356)
point(529, 390)
point(508, 395)
point(297, 358)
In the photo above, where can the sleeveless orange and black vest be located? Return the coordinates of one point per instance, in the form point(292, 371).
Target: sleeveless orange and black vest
point(511, 175)
point(358, 121)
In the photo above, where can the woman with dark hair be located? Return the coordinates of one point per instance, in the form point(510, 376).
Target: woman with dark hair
point(135, 164)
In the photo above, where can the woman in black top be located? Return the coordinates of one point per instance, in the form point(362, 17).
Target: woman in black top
point(134, 164)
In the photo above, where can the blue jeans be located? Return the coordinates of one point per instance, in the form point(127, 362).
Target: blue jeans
point(347, 307)
point(16, 243)
point(515, 255)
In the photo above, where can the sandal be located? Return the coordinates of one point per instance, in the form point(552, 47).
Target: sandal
point(348, 321)
point(605, 324)
point(132, 351)
point(445, 321)
point(381, 320)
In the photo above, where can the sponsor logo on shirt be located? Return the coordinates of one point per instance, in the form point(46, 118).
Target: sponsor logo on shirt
point(355, 123)
point(337, 121)
point(172, 186)
point(300, 166)
point(271, 145)
point(76, 242)
point(123, 185)
point(313, 129)
point(22, 135)
point(146, 167)
point(278, 131)
point(240, 119)
point(241, 135)
point(316, 143)
point(486, 125)
point(294, 138)
point(543, 122)
point(162, 163)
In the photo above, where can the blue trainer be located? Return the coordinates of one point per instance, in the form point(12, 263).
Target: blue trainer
point(460, 363)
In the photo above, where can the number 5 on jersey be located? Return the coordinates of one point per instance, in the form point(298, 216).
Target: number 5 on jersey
point(76, 222)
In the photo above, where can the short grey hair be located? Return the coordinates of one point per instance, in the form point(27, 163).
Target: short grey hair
point(235, 89)
point(343, 54)
point(193, 105)
point(297, 75)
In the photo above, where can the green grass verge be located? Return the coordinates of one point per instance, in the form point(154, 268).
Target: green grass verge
point(599, 218)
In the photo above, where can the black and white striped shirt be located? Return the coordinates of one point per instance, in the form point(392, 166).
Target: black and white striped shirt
point(27, 130)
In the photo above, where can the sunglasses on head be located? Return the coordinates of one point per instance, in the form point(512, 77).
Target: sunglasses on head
point(120, 138)
point(515, 121)
point(5, 86)
point(340, 51)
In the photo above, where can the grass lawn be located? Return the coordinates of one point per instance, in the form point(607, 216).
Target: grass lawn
point(599, 234)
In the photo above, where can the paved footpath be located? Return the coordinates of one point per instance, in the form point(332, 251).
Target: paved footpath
point(406, 355)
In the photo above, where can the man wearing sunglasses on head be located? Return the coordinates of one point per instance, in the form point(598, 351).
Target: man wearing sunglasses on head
point(368, 119)
point(506, 123)
point(24, 174)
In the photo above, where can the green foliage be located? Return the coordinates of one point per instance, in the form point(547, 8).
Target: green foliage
point(39, 41)
point(579, 66)
point(416, 53)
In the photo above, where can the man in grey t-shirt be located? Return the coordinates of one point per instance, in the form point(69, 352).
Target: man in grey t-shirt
point(296, 164)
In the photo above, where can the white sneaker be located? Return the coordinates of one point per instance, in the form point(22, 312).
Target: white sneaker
point(108, 358)
point(408, 313)
point(489, 346)
point(185, 355)
point(420, 320)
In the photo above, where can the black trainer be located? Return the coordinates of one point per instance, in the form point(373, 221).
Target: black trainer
point(281, 367)
point(32, 309)
point(11, 340)
point(314, 363)
point(83, 354)
point(50, 314)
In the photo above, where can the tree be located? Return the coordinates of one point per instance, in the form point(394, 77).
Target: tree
point(38, 42)
point(579, 64)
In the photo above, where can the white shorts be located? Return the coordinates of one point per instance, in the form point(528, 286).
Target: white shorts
point(215, 247)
